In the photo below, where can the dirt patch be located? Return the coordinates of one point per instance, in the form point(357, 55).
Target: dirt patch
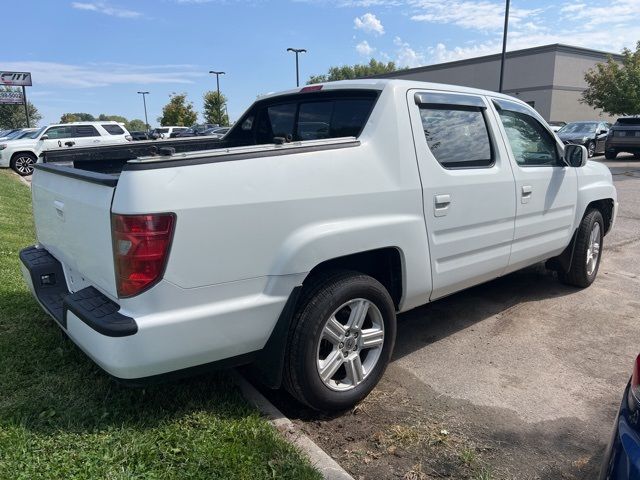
point(406, 430)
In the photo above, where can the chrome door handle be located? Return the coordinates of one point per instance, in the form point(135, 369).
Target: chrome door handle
point(526, 193)
point(441, 204)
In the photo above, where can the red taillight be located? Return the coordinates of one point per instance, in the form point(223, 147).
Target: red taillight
point(633, 398)
point(140, 250)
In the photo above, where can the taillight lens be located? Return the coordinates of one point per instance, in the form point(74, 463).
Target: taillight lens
point(634, 389)
point(140, 250)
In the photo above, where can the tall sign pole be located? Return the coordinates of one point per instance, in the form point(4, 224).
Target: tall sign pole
point(26, 106)
point(504, 45)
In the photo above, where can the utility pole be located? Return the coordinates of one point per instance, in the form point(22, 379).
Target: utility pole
point(297, 51)
point(144, 101)
point(217, 74)
point(504, 44)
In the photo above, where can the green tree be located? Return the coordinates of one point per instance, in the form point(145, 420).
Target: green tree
point(68, 118)
point(77, 117)
point(136, 125)
point(615, 87)
point(349, 72)
point(13, 116)
point(178, 111)
point(112, 118)
point(215, 109)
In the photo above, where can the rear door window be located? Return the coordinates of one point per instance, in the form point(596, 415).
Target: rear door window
point(86, 131)
point(457, 136)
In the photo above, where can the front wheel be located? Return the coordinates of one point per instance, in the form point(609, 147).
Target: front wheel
point(610, 154)
point(587, 251)
point(341, 341)
point(22, 163)
point(591, 149)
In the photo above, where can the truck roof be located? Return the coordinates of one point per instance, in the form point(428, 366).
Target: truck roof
point(381, 84)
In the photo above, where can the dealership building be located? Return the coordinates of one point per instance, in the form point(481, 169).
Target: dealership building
point(549, 78)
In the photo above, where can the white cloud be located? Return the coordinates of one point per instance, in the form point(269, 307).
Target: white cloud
point(368, 23)
point(101, 7)
point(480, 15)
point(407, 56)
point(54, 74)
point(619, 11)
point(364, 49)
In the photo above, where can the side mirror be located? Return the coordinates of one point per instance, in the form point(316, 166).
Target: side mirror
point(600, 132)
point(44, 137)
point(576, 155)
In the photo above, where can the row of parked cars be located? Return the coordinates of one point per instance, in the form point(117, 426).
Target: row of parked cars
point(602, 137)
point(167, 132)
point(20, 148)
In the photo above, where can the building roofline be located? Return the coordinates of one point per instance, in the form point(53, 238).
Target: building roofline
point(555, 47)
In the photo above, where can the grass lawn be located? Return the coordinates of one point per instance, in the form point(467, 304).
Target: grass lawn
point(62, 417)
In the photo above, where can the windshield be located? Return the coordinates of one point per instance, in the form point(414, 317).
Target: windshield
point(588, 127)
point(14, 135)
point(35, 134)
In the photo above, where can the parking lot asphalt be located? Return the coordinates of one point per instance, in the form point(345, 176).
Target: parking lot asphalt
point(523, 374)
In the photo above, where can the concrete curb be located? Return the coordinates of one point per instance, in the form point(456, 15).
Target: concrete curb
point(329, 468)
point(25, 181)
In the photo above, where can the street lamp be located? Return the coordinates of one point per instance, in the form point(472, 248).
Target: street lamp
point(297, 51)
point(144, 101)
point(504, 44)
point(217, 74)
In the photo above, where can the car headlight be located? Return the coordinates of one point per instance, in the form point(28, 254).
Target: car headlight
point(3, 146)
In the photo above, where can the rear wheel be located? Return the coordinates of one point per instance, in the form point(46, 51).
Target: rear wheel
point(591, 149)
point(22, 163)
point(587, 251)
point(341, 341)
point(610, 155)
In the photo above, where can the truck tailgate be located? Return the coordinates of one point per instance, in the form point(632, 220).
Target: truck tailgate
point(72, 213)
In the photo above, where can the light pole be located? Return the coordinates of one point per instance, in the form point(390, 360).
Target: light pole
point(217, 74)
point(504, 44)
point(297, 51)
point(144, 101)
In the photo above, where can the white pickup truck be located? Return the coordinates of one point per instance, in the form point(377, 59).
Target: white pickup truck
point(297, 255)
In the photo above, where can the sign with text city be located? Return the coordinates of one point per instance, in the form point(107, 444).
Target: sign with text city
point(11, 98)
point(15, 79)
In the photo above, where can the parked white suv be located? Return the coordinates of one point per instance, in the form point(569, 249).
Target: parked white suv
point(164, 133)
point(22, 154)
point(325, 212)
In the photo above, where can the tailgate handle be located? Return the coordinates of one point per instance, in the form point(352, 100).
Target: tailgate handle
point(59, 208)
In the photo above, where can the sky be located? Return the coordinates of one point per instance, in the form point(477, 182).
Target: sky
point(93, 56)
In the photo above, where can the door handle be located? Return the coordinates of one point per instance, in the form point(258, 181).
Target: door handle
point(441, 204)
point(526, 193)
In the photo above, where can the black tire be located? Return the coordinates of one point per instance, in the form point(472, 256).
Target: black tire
point(319, 302)
point(22, 163)
point(579, 275)
point(610, 155)
point(591, 149)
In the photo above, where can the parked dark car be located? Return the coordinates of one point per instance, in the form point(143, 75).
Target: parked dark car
point(139, 135)
point(624, 136)
point(591, 134)
point(622, 457)
point(555, 126)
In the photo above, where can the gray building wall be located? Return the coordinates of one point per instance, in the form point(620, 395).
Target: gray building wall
point(549, 77)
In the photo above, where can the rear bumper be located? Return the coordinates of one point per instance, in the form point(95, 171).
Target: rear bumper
point(170, 334)
point(622, 457)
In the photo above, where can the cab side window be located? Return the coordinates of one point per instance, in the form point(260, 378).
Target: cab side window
point(532, 145)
